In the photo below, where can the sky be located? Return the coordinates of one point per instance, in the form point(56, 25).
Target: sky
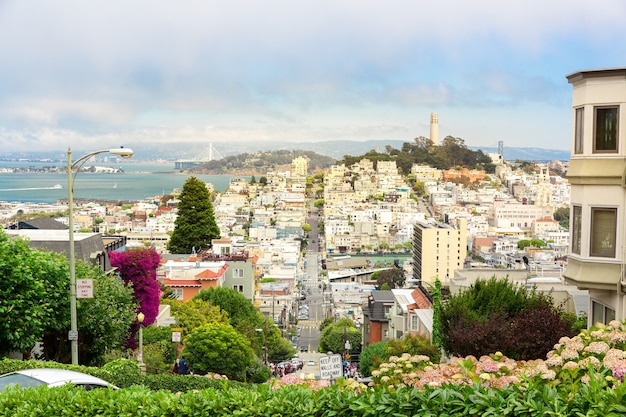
point(100, 74)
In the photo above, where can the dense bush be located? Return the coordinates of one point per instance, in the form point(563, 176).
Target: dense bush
point(497, 315)
point(377, 353)
point(476, 400)
point(125, 373)
point(581, 376)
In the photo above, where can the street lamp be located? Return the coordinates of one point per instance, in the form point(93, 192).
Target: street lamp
point(264, 330)
point(142, 366)
point(72, 171)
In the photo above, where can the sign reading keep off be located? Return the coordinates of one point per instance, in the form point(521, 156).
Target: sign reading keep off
point(331, 367)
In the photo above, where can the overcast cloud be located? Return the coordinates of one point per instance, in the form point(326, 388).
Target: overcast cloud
point(83, 73)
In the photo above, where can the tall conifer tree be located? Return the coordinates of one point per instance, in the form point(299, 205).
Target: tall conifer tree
point(195, 224)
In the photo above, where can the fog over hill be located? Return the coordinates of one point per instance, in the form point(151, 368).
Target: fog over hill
point(333, 149)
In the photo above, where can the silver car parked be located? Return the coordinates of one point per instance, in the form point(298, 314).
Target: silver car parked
point(52, 377)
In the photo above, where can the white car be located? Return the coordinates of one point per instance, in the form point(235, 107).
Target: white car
point(52, 377)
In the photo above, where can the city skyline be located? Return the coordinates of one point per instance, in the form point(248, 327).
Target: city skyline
point(84, 74)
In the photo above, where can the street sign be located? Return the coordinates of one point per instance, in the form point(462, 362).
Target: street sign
point(72, 335)
point(84, 288)
point(176, 336)
point(331, 367)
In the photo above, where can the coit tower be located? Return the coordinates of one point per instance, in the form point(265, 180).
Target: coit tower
point(434, 128)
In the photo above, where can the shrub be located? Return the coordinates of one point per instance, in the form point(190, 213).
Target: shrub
point(123, 373)
point(377, 353)
point(497, 315)
point(371, 357)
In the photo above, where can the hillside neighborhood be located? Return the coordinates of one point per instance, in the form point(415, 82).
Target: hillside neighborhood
point(462, 225)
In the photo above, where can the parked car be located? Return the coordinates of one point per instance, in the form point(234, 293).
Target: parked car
point(297, 363)
point(52, 377)
point(311, 363)
point(303, 348)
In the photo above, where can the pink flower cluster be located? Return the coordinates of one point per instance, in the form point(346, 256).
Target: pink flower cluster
point(601, 347)
point(295, 379)
point(619, 369)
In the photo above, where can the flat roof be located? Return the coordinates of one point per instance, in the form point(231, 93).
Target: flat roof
point(596, 73)
point(53, 235)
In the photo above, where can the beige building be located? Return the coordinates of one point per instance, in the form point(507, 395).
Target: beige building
point(511, 214)
point(439, 249)
point(299, 166)
point(426, 173)
point(598, 191)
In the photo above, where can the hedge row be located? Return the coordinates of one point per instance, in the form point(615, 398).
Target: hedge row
point(260, 400)
point(125, 373)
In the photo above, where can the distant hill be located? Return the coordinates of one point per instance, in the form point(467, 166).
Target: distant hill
point(339, 149)
point(335, 149)
point(262, 162)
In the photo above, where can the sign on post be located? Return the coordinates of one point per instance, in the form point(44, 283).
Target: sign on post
point(331, 367)
point(84, 288)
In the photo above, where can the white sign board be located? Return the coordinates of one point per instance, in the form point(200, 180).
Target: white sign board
point(331, 367)
point(84, 288)
point(176, 336)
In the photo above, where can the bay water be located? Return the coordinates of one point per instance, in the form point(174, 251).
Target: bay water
point(139, 181)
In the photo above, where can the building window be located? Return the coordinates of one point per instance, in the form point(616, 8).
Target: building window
point(178, 293)
point(238, 273)
point(414, 322)
point(577, 215)
point(605, 129)
point(603, 227)
point(601, 313)
point(238, 288)
point(578, 133)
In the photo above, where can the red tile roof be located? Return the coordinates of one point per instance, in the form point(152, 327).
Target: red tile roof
point(211, 275)
point(181, 283)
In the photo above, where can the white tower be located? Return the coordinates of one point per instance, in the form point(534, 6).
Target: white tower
point(434, 128)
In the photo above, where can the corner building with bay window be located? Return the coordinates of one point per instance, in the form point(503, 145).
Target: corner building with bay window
point(597, 175)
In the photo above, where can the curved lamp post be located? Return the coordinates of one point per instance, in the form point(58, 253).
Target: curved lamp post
point(72, 171)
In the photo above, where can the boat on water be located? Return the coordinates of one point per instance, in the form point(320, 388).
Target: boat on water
point(57, 186)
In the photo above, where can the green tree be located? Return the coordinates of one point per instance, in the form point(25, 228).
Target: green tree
point(334, 336)
point(195, 225)
point(35, 294)
point(104, 321)
point(537, 243)
point(195, 313)
point(437, 333)
point(561, 215)
point(240, 310)
point(319, 203)
point(393, 277)
point(219, 348)
point(35, 305)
